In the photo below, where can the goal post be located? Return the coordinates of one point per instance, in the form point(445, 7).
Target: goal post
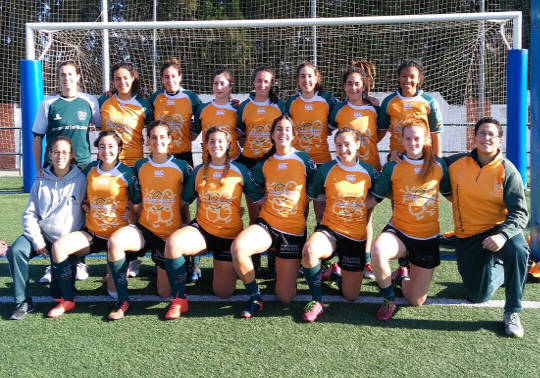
point(447, 45)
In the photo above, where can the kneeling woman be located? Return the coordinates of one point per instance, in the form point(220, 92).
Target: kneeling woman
point(413, 230)
point(161, 178)
point(345, 184)
point(217, 184)
point(281, 224)
point(110, 192)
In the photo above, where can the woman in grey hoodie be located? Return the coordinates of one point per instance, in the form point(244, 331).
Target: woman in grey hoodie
point(54, 209)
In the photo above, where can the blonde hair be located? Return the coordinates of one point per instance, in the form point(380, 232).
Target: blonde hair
point(427, 150)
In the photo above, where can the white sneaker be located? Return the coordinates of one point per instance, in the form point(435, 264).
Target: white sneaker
point(134, 269)
point(46, 278)
point(82, 272)
point(512, 324)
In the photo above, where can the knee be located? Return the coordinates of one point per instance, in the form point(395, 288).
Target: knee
point(477, 297)
point(223, 293)
point(239, 248)
point(307, 253)
point(416, 302)
point(285, 298)
point(350, 296)
point(164, 292)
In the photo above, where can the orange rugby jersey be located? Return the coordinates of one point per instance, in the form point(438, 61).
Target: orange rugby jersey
point(396, 108)
point(127, 118)
point(176, 110)
point(285, 179)
point(108, 193)
point(220, 197)
point(161, 188)
point(364, 119)
point(484, 197)
point(345, 190)
point(255, 120)
point(415, 202)
point(311, 124)
point(212, 114)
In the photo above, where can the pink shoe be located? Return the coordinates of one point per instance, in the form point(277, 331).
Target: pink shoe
point(326, 275)
point(61, 308)
point(368, 272)
point(386, 310)
point(312, 311)
point(401, 271)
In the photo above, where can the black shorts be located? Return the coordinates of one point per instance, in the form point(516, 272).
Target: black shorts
point(220, 247)
point(186, 156)
point(351, 253)
point(153, 244)
point(97, 243)
point(248, 162)
point(423, 253)
point(285, 246)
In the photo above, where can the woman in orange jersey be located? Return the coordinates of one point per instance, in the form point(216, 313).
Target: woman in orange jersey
point(255, 117)
point(285, 173)
point(161, 177)
point(309, 109)
point(413, 230)
point(409, 101)
point(219, 112)
point(359, 112)
point(112, 197)
point(126, 112)
point(175, 106)
point(218, 184)
point(345, 184)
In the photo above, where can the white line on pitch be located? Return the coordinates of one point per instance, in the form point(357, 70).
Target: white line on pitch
point(298, 298)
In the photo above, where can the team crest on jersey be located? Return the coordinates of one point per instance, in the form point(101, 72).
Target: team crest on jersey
point(417, 170)
point(261, 110)
point(407, 106)
point(357, 114)
point(82, 115)
point(308, 107)
point(159, 173)
point(422, 202)
point(170, 102)
point(220, 112)
point(282, 166)
point(497, 190)
point(57, 117)
point(217, 175)
point(350, 178)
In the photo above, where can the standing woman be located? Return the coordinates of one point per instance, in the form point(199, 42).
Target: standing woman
point(345, 184)
point(359, 112)
point(161, 178)
point(255, 117)
point(285, 173)
point(126, 112)
point(409, 101)
point(176, 106)
point(413, 230)
point(219, 112)
point(217, 184)
point(54, 209)
point(112, 198)
point(68, 114)
point(309, 110)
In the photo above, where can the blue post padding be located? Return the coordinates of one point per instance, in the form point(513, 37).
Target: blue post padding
point(535, 130)
point(516, 111)
point(31, 96)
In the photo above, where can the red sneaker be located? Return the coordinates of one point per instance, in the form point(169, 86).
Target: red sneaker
point(178, 307)
point(61, 308)
point(326, 275)
point(386, 310)
point(312, 311)
point(401, 271)
point(119, 310)
point(368, 272)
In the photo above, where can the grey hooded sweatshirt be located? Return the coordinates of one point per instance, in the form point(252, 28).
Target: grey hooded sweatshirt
point(54, 207)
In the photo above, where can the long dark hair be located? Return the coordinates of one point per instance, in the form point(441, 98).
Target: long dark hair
point(413, 63)
point(319, 84)
point(367, 72)
point(274, 99)
point(136, 85)
point(272, 150)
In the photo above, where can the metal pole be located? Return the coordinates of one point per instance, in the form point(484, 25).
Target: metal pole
point(314, 30)
point(105, 47)
point(481, 62)
point(154, 50)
